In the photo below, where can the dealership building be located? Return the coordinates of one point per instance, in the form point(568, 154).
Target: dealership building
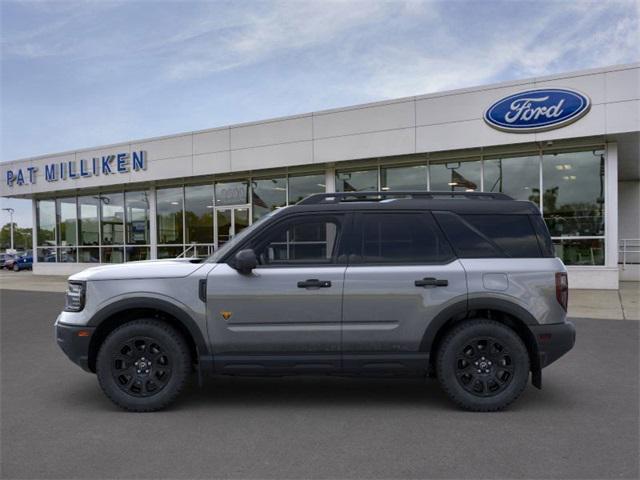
point(569, 143)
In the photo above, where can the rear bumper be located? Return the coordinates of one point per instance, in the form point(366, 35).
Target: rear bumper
point(74, 342)
point(554, 341)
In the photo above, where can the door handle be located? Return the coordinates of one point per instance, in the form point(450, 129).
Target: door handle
point(314, 283)
point(431, 282)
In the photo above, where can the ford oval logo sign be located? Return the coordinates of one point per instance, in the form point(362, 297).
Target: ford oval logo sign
point(537, 110)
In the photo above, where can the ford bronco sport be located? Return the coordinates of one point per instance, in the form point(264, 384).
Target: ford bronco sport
point(461, 286)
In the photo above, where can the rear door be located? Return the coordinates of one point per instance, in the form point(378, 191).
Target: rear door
point(401, 274)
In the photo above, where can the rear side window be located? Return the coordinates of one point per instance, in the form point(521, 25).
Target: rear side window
point(397, 237)
point(467, 241)
point(514, 234)
point(482, 236)
point(544, 238)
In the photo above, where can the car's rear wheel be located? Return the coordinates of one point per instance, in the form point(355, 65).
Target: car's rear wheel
point(143, 365)
point(482, 365)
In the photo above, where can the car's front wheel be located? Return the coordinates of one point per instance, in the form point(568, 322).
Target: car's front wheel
point(16, 268)
point(482, 365)
point(143, 365)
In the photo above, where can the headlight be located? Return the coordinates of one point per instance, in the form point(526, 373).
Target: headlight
point(74, 298)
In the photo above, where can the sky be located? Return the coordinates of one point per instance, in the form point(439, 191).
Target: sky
point(79, 74)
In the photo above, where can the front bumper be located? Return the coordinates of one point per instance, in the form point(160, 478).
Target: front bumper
point(554, 341)
point(74, 342)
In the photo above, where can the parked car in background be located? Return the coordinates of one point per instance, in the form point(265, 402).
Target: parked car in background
point(7, 261)
point(23, 262)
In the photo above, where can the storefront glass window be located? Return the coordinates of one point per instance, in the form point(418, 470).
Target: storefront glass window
point(404, 178)
point(456, 176)
point(137, 218)
point(88, 220)
point(573, 198)
point(169, 206)
point(518, 177)
point(67, 213)
point(46, 222)
point(357, 181)
point(112, 218)
point(268, 194)
point(580, 251)
point(301, 186)
point(232, 193)
point(198, 213)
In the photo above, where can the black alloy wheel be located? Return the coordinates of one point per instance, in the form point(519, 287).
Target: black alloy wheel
point(143, 365)
point(482, 365)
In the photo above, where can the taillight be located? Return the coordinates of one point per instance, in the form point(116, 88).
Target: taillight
point(562, 289)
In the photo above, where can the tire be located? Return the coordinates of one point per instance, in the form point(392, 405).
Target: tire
point(143, 385)
point(497, 379)
point(16, 268)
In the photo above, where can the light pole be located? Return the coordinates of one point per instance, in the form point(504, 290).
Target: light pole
point(11, 212)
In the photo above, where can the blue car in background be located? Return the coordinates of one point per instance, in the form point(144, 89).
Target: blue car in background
point(23, 262)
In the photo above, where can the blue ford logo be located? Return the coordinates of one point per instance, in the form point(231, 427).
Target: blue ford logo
point(537, 110)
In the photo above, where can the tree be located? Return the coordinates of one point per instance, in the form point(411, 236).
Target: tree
point(21, 237)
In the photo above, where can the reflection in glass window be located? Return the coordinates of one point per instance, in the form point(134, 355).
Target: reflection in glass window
point(89, 255)
point(67, 213)
point(357, 181)
point(46, 218)
point(455, 176)
point(88, 220)
point(267, 195)
point(580, 251)
point(112, 218)
point(112, 255)
point(137, 217)
point(67, 254)
point(137, 253)
point(169, 206)
point(232, 193)
point(198, 213)
point(169, 252)
point(404, 178)
point(301, 186)
point(573, 199)
point(518, 177)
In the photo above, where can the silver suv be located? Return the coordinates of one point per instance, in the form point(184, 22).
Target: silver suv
point(461, 286)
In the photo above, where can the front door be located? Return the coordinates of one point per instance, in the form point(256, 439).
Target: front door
point(401, 274)
point(286, 314)
point(229, 222)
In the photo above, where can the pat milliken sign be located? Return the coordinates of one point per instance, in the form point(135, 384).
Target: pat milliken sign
point(537, 110)
point(115, 164)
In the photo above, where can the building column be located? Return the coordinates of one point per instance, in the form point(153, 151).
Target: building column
point(34, 232)
point(330, 179)
point(153, 223)
point(611, 205)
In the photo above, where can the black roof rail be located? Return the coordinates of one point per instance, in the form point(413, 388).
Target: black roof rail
point(338, 197)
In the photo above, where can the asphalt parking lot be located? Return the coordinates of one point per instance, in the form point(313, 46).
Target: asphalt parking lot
point(56, 423)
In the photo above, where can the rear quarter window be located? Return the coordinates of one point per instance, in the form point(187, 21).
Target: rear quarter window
point(486, 236)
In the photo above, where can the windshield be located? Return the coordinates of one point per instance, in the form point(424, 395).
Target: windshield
point(231, 244)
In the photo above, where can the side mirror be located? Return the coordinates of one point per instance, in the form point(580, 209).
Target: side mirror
point(245, 261)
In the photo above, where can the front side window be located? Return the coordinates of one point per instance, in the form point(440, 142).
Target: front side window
point(305, 240)
point(400, 238)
